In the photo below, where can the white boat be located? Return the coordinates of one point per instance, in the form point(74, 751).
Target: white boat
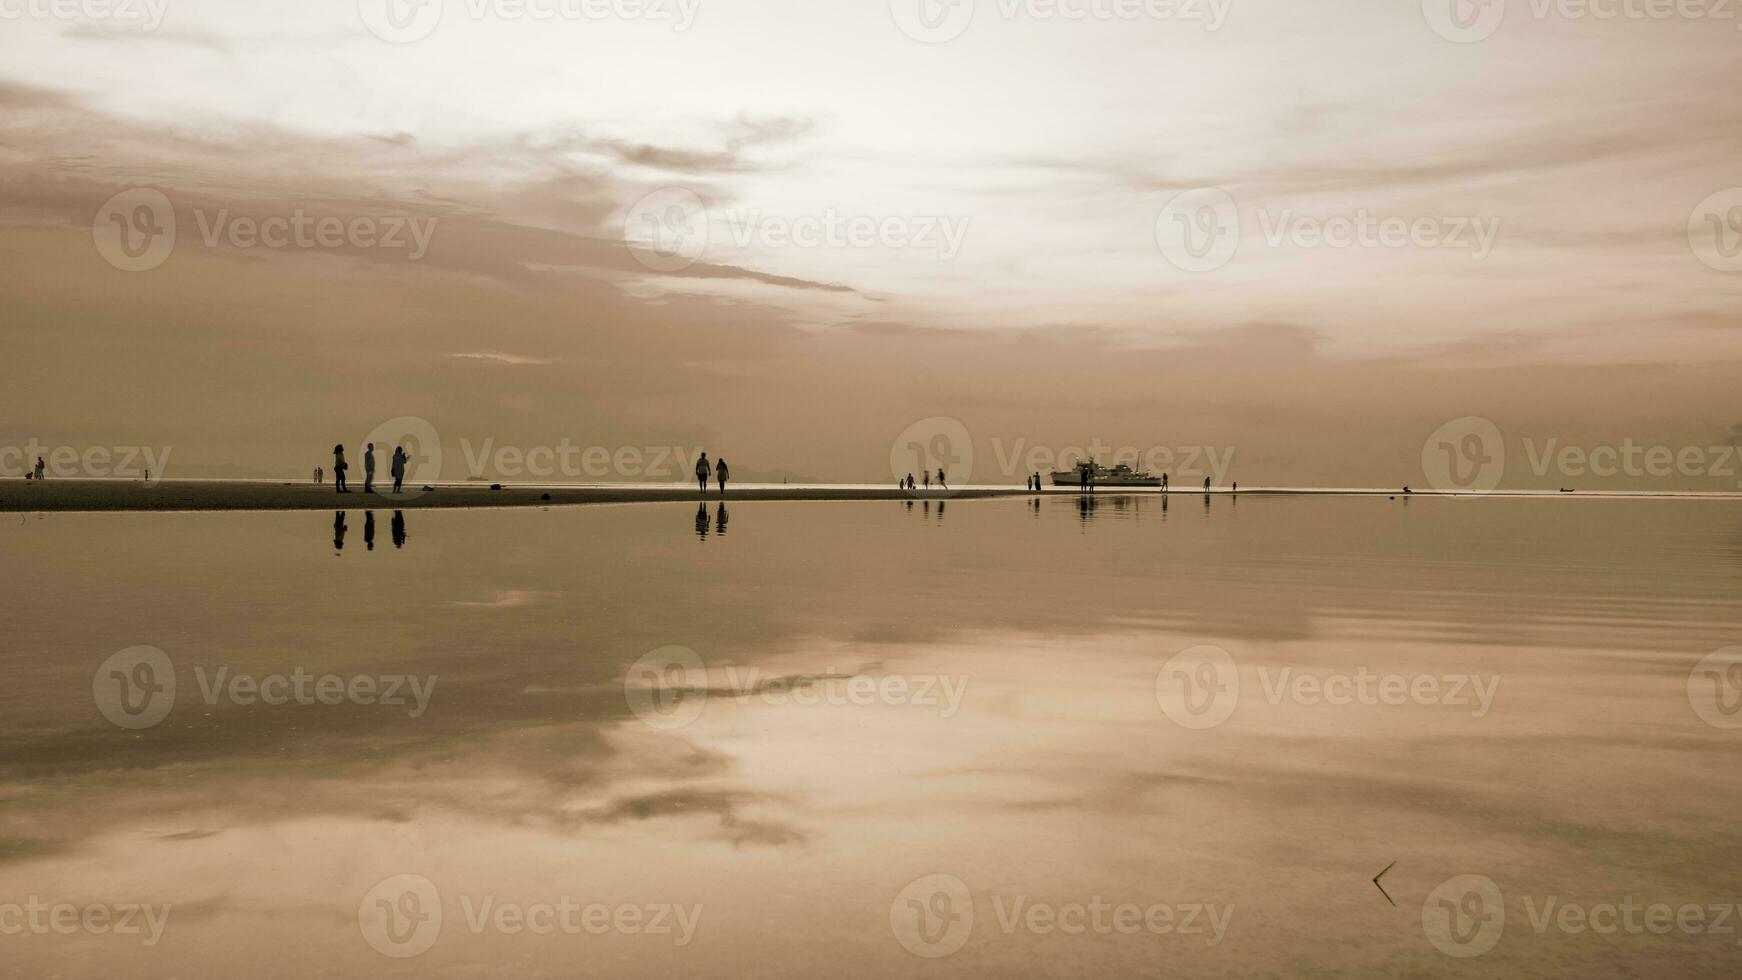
point(1119, 476)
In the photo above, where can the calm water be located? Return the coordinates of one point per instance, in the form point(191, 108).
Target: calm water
point(987, 738)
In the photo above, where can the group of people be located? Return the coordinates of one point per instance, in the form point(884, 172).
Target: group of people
point(719, 470)
point(396, 469)
point(908, 484)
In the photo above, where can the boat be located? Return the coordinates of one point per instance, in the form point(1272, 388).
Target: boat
point(1119, 476)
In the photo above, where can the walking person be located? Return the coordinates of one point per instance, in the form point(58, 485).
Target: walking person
point(369, 469)
point(339, 468)
point(941, 481)
point(723, 473)
point(703, 471)
point(924, 473)
point(397, 467)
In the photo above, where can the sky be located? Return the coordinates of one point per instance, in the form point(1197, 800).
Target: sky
point(809, 236)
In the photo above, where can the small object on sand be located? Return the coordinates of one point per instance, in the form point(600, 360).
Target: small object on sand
point(428, 489)
point(545, 497)
point(495, 486)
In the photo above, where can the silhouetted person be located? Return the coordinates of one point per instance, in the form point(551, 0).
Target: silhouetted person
point(910, 483)
point(398, 529)
point(397, 467)
point(40, 466)
point(339, 530)
point(318, 474)
point(1164, 483)
point(1407, 490)
point(720, 518)
point(1037, 481)
point(1236, 486)
point(1083, 477)
point(941, 481)
point(339, 468)
point(703, 471)
point(369, 530)
point(924, 473)
point(722, 473)
point(702, 521)
point(369, 469)
point(1206, 484)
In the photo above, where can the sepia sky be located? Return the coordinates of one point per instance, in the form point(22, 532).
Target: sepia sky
point(995, 191)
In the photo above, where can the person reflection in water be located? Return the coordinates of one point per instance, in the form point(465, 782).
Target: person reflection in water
point(702, 521)
point(369, 530)
point(339, 530)
point(720, 516)
point(398, 529)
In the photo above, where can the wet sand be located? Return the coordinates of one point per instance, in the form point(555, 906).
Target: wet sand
point(190, 495)
point(28, 496)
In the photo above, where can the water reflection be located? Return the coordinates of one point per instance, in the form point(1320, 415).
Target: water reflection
point(267, 824)
point(339, 530)
point(369, 530)
point(398, 529)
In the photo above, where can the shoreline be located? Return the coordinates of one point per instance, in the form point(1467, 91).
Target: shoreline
point(72, 496)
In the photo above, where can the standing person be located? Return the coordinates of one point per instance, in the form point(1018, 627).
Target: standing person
point(723, 473)
point(369, 469)
point(339, 468)
point(1164, 483)
point(318, 474)
point(1236, 486)
point(1083, 477)
point(703, 471)
point(397, 467)
point(1036, 481)
point(941, 481)
point(908, 485)
point(923, 473)
point(40, 466)
point(1206, 484)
